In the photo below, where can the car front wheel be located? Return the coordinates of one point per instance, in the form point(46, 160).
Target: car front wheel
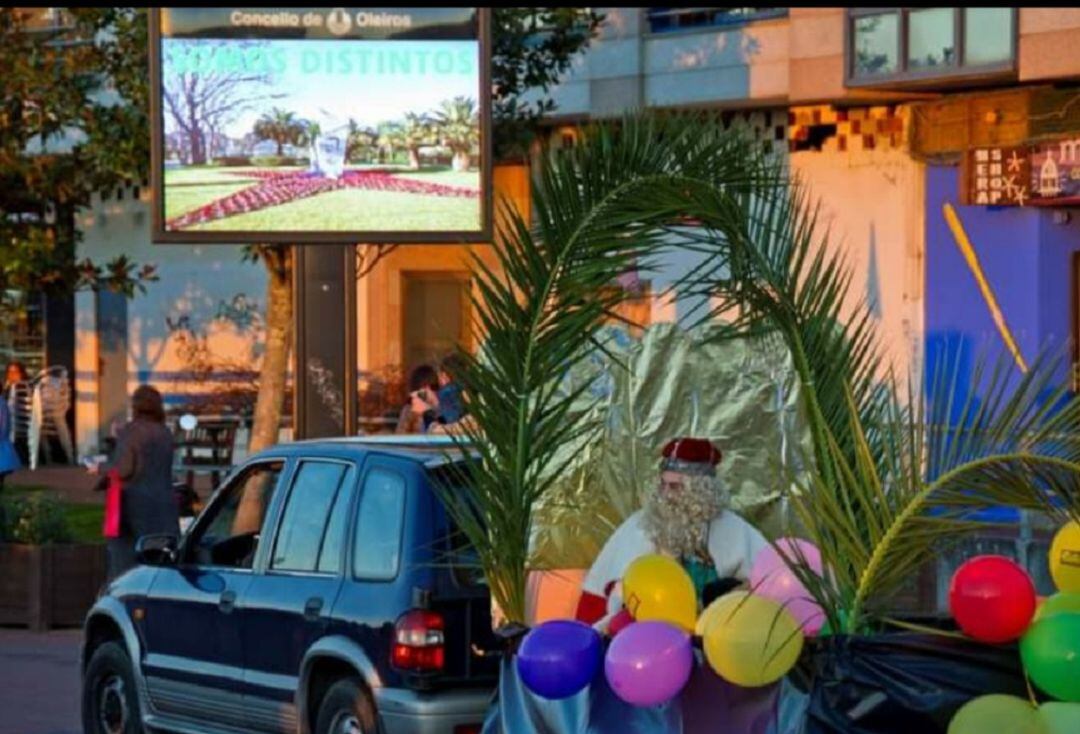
point(346, 709)
point(110, 704)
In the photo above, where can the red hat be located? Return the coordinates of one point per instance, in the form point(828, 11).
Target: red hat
point(691, 456)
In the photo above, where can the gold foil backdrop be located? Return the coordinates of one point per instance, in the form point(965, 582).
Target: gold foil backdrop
point(740, 393)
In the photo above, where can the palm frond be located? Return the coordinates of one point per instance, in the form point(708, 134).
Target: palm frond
point(538, 312)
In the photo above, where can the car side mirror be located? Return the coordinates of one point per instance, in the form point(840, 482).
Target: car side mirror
point(156, 550)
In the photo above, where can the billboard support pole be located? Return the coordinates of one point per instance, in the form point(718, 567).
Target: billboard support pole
point(324, 304)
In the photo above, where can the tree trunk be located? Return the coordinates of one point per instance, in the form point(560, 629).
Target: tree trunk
point(279, 327)
point(461, 160)
point(280, 148)
point(414, 158)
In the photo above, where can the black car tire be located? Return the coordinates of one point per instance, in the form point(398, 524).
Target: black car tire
point(110, 702)
point(346, 709)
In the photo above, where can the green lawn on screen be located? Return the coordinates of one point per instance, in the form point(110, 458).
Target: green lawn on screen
point(357, 210)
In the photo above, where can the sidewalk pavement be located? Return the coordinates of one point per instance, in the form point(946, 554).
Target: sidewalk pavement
point(39, 682)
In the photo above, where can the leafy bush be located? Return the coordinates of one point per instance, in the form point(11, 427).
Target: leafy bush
point(232, 160)
point(35, 521)
point(273, 161)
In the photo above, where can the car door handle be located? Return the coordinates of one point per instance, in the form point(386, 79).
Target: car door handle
point(313, 608)
point(227, 602)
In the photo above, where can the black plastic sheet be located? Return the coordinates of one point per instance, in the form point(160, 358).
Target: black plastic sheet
point(903, 683)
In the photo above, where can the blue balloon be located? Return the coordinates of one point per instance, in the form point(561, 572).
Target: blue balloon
point(559, 658)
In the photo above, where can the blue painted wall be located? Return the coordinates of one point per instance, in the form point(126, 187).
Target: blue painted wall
point(1027, 260)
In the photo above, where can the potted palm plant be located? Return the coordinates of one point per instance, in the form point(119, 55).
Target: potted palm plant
point(890, 476)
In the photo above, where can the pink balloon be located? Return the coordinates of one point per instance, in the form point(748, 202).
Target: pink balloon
point(770, 577)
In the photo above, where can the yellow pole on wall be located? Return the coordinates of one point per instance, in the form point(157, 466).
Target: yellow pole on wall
point(964, 244)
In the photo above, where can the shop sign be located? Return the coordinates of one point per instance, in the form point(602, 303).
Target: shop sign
point(998, 176)
point(1055, 172)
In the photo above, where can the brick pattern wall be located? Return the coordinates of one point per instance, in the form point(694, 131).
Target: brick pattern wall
point(852, 129)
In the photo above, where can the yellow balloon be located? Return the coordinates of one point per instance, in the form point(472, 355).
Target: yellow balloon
point(1065, 558)
point(710, 615)
point(751, 641)
point(657, 588)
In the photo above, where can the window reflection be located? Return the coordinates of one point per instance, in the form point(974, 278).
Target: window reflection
point(988, 34)
point(931, 38)
point(875, 44)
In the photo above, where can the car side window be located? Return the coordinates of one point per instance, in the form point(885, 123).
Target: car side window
point(380, 517)
point(229, 534)
point(304, 523)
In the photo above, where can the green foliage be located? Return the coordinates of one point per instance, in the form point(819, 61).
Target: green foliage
point(282, 127)
point(275, 161)
point(532, 49)
point(72, 122)
point(34, 520)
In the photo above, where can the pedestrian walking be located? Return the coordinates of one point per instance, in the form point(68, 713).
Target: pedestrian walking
point(142, 463)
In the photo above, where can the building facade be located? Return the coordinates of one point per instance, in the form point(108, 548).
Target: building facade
point(902, 123)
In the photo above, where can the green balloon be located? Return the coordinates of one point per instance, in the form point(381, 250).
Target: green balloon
point(1060, 718)
point(1050, 650)
point(1058, 604)
point(996, 713)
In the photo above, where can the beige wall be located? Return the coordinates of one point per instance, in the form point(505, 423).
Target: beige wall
point(1049, 44)
point(379, 293)
point(872, 206)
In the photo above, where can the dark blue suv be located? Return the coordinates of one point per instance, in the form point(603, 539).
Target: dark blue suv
point(323, 590)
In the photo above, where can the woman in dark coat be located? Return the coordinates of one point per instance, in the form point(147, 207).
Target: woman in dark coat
point(143, 459)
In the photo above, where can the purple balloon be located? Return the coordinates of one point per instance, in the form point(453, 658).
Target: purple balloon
point(648, 663)
point(771, 578)
point(559, 658)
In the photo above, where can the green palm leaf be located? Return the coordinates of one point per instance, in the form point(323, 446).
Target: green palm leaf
point(537, 314)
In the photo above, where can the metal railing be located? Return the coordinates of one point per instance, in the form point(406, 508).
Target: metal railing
point(666, 20)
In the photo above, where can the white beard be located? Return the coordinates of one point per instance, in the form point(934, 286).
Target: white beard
point(678, 523)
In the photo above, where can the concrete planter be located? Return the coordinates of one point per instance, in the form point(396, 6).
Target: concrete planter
point(47, 586)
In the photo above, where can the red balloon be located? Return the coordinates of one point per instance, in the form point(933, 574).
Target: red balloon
point(992, 599)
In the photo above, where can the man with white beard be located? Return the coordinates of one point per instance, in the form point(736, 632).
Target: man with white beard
point(685, 517)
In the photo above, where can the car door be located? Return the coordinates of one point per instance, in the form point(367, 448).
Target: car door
point(287, 605)
point(194, 655)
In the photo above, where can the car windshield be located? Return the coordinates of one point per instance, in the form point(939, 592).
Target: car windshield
point(454, 546)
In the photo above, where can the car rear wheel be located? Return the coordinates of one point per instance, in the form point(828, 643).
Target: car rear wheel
point(110, 704)
point(346, 709)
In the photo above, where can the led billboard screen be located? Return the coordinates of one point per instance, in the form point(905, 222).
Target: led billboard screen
point(321, 125)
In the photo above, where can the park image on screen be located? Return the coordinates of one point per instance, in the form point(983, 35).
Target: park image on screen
point(316, 121)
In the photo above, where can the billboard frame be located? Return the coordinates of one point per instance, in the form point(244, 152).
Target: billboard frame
point(159, 235)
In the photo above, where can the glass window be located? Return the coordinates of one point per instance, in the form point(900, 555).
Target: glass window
point(303, 524)
point(931, 38)
point(988, 34)
point(334, 542)
point(228, 534)
point(876, 43)
point(381, 513)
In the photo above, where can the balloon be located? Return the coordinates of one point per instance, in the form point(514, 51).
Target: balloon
point(656, 588)
point(995, 713)
point(1051, 653)
point(1065, 558)
point(771, 578)
point(559, 658)
point(649, 663)
point(710, 615)
point(1059, 604)
point(753, 641)
point(1059, 718)
point(992, 599)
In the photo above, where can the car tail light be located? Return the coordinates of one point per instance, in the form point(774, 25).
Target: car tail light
point(418, 642)
point(468, 729)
